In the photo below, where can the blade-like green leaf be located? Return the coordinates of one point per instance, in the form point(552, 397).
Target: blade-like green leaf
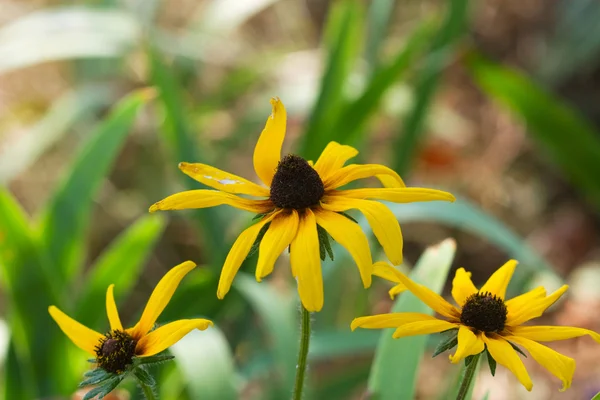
point(66, 217)
point(378, 18)
point(596, 397)
point(121, 265)
point(394, 370)
point(569, 138)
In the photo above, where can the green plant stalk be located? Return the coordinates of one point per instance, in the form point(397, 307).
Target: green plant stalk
point(302, 355)
point(468, 375)
point(148, 390)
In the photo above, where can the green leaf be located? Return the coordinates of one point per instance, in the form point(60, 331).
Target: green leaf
point(446, 344)
point(454, 390)
point(325, 345)
point(104, 389)
point(596, 397)
point(15, 385)
point(121, 265)
point(159, 359)
point(95, 377)
point(378, 18)
point(67, 215)
point(547, 120)
point(259, 238)
point(517, 349)
point(324, 244)
point(144, 377)
point(491, 363)
point(394, 370)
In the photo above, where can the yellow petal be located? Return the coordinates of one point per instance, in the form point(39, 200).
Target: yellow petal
point(167, 335)
point(280, 234)
point(423, 328)
point(468, 344)
point(429, 297)
point(111, 310)
point(505, 355)
point(306, 261)
point(384, 270)
point(351, 237)
point(552, 333)
point(82, 336)
point(392, 320)
point(160, 297)
point(516, 303)
point(395, 195)
point(333, 158)
point(267, 152)
point(532, 309)
point(343, 176)
point(561, 366)
point(382, 221)
point(210, 198)
point(499, 280)
point(462, 286)
point(221, 180)
point(237, 255)
point(396, 290)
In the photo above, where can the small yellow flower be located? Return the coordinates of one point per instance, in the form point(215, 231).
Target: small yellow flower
point(486, 320)
point(301, 196)
point(115, 350)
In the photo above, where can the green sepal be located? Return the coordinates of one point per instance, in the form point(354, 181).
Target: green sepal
point(469, 360)
point(95, 376)
point(446, 344)
point(258, 216)
point(144, 377)
point(92, 360)
point(324, 244)
point(491, 362)
point(517, 349)
point(152, 360)
point(104, 389)
point(259, 238)
point(348, 216)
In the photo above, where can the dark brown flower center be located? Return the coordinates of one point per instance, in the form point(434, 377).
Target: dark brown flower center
point(296, 184)
point(115, 351)
point(484, 312)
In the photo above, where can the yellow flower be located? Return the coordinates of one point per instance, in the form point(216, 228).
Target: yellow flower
point(301, 196)
point(115, 350)
point(486, 320)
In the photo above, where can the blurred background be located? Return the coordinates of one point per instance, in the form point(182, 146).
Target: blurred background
point(495, 101)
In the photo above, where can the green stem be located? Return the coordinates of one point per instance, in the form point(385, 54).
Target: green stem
point(468, 374)
point(302, 355)
point(147, 390)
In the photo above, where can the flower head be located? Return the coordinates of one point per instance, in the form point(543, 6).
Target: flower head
point(485, 321)
point(301, 201)
point(116, 350)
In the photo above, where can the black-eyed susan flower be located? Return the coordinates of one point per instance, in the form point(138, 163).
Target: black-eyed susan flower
point(486, 321)
point(116, 351)
point(300, 197)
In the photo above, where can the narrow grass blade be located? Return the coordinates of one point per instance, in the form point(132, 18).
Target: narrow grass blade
point(66, 216)
point(569, 139)
point(396, 363)
point(378, 18)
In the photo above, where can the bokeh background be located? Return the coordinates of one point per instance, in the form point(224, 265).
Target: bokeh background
point(495, 101)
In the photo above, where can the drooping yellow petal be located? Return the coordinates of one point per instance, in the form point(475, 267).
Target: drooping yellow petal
point(333, 157)
point(429, 297)
point(561, 366)
point(237, 255)
point(392, 320)
point(423, 328)
point(221, 180)
point(349, 173)
point(532, 309)
point(82, 336)
point(516, 303)
point(396, 290)
point(468, 344)
point(505, 355)
point(384, 270)
point(111, 310)
point(498, 282)
point(306, 261)
point(552, 333)
point(160, 297)
point(351, 237)
point(167, 335)
point(462, 286)
point(395, 195)
point(204, 198)
point(382, 221)
point(280, 234)
point(267, 152)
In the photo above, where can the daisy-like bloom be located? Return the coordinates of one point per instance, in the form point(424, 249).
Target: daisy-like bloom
point(485, 320)
point(301, 196)
point(115, 350)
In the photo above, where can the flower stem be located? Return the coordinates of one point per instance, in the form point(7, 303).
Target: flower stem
point(467, 377)
point(148, 391)
point(302, 355)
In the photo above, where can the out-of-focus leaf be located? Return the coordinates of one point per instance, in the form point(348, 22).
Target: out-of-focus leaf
point(14, 384)
point(66, 217)
point(568, 137)
point(66, 33)
point(279, 316)
point(225, 16)
point(394, 370)
point(344, 29)
point(121, 265)
point(427, 81)
point(596, 397)
point(331, 344)
point(378, 18)
point(204, 358)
